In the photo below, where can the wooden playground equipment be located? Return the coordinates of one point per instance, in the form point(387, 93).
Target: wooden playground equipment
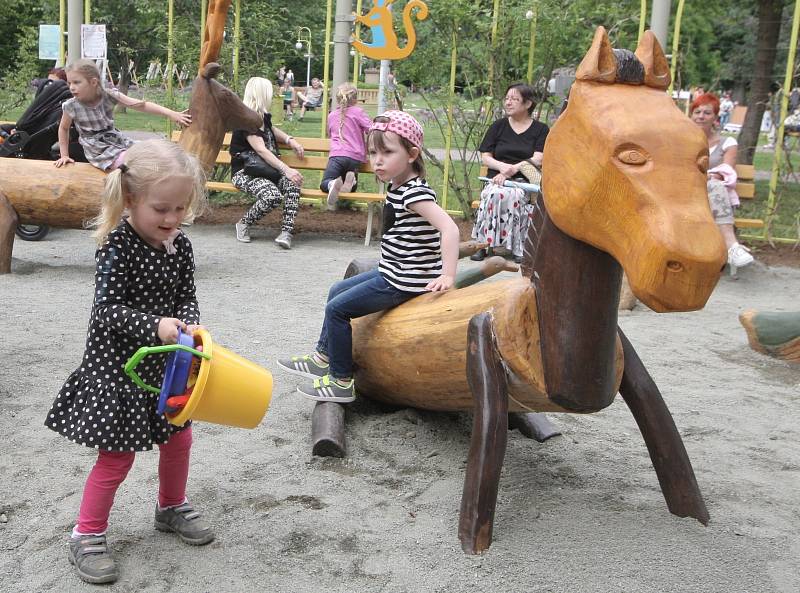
point(774, 333)
point(624, 188)
point(35, 192)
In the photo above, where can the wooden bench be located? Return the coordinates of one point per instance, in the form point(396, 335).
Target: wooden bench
point(745, 187)
point(309, 162)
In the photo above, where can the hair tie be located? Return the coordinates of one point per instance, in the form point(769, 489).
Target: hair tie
point(123, 168)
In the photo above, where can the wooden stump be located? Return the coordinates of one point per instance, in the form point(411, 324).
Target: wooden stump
point(8, 223)
point(327, 430)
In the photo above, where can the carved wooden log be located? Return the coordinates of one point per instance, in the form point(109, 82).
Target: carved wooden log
point(533, 425)
point(467, 248)
point(487, 381)
point(8, 222)
point(490, 266)
point(774, 333)
point(215, 27)
point(41, 194)
point(430, 331)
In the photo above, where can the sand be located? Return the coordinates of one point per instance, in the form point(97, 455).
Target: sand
point(580, 513)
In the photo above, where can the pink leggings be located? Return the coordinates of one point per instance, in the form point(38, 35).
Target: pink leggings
point(112, 467)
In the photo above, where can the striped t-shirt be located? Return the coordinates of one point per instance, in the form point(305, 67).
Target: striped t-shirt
point(411, 249)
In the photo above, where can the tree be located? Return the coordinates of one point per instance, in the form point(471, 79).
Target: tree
point(769, 30)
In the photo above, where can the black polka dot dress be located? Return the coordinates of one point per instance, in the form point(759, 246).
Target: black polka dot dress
point(135, 286)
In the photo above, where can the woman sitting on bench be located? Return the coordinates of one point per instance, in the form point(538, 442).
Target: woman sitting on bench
point(278, 182)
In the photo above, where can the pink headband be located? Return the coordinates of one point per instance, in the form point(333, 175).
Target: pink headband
point(402, 124)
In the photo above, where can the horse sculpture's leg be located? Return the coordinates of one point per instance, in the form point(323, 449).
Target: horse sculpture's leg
point(327, 430)
point(672, 465)
point(487, 380)
point(532, 425)
point(8, 224)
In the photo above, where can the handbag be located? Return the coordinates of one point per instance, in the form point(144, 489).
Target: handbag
point(255, 166)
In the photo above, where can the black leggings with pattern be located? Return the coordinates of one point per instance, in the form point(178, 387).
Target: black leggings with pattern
point(268, 195)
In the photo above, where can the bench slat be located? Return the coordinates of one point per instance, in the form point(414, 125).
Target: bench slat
point(224, 186)
point(746, 190)
point(745, 172)
point(314, 163)
point(748, 223)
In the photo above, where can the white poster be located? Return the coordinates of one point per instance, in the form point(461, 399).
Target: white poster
point(48, 42)
point(93, 42)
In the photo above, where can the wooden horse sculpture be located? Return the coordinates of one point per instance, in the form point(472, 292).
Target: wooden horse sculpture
point(624, 187)
point(36, 192)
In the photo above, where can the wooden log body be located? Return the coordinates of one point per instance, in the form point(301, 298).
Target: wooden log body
point(41, 194)
point(415, 354)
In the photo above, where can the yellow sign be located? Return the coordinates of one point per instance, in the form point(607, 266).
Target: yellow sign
point(384, 39)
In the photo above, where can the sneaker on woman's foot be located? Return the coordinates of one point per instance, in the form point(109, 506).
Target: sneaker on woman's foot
point(349, 182)
point(284, 240)
point(92, 560)
point(304, 366)
point(242, 232)
point(328, 389)
point(186, 523)
point(739, 256)
point(334, 187)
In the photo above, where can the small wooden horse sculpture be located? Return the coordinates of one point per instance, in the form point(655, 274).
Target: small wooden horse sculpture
point(35, 192)
point(624, 184)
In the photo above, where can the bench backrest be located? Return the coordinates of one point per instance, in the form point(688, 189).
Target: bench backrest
point(745, 186)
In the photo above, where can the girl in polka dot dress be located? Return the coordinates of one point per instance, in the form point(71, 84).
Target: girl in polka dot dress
point(144, 292)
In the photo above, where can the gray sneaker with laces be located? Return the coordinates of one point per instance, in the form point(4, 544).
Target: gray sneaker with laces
point(327, 389)
point(92, 560)
point(284, 240)
point(186, 523)
point(304, 366)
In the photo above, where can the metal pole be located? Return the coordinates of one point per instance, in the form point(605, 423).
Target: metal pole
point(495, 18)
point(357, 56)
point(203, 10)
point(659, 20)
point(328, 14)
point(642, 19)
point(676, 35)
point(341, 45)
point(308, 66)
point(533, 17)
point(787, 84)
point(449, 139)
point(87, 11)
point(236, 38)
point(62, 23)
point(74, 21)
point(170, 40)
point(383, 77)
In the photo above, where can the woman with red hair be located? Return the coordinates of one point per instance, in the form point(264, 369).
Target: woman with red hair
point(721, 176)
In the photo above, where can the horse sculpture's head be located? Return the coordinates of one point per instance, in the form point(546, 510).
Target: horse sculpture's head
point(215, 110)
point(625, 171)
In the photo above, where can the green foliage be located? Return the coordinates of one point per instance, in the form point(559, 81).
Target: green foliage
point(17, 80)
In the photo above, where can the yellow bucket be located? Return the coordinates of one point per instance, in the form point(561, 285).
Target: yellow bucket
point(229, 390)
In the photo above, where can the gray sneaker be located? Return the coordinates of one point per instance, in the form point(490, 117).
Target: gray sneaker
point(284, 240)
point(326, 389)
point(186, 523)
point(304, 366)
point(242, 232)
point(92, 560)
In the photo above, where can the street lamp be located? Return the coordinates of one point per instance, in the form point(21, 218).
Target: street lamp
point(531, 16)
point(301, 39)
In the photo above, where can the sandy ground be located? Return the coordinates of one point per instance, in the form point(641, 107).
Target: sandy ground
point(580, 513)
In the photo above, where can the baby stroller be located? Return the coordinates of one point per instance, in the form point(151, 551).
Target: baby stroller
point(34, 135)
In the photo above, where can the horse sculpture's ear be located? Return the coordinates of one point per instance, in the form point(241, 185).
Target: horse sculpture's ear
point(656, 67)
point(599, 63)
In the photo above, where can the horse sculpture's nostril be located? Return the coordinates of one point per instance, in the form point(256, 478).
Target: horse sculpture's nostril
point(674, 266)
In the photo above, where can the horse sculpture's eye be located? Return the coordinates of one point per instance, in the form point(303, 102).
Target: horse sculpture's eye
point(630, 156)
point(702, 163)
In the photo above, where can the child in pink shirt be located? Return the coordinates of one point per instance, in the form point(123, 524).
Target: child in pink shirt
point(347, 127)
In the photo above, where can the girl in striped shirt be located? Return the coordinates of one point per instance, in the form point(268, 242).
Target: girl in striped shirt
point(419, 253)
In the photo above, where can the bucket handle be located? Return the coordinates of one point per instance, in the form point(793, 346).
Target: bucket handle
point(133, 361)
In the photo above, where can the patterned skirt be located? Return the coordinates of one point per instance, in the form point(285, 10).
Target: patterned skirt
point(502, 218)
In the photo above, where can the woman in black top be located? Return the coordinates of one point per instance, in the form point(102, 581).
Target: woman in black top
point(268, 194)
point(503, 214)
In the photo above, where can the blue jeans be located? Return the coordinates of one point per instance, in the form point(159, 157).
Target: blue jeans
point(354, 297)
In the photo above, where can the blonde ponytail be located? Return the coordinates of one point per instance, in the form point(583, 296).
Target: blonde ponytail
point(346, 96)
point(148, 163)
